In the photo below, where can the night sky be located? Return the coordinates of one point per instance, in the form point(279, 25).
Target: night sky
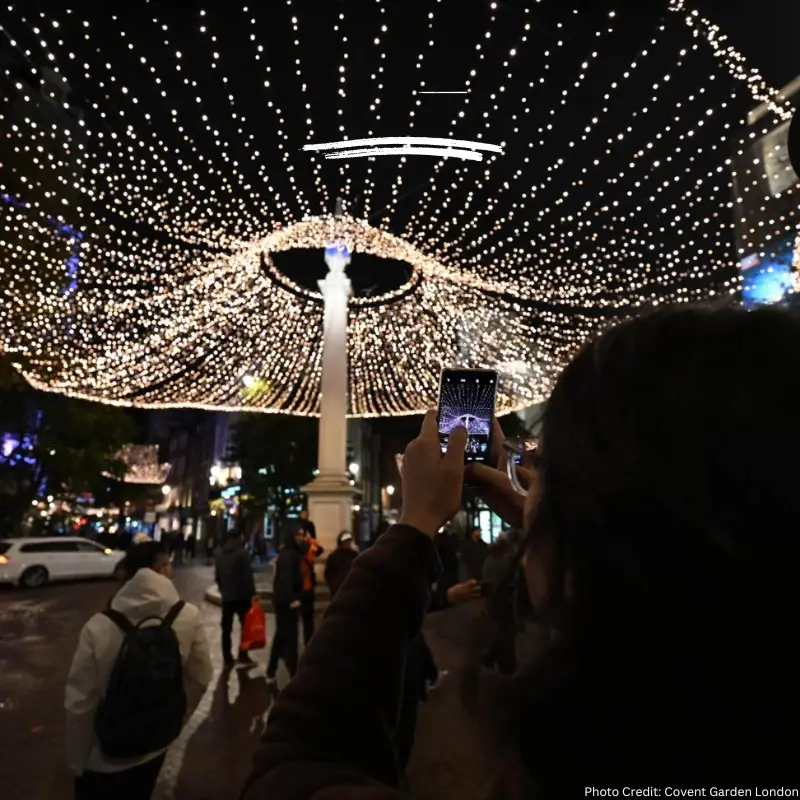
point(446, 66)
point(613, 192)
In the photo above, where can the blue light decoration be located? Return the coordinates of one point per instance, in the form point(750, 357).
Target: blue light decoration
point(74, 238)
point(338, 247)
point(769, 278)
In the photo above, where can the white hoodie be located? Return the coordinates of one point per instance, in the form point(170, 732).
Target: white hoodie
point(147, 594)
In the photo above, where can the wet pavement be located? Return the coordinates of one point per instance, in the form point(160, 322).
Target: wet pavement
point(38, 634)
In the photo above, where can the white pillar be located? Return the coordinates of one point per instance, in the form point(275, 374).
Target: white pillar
point(330, 495)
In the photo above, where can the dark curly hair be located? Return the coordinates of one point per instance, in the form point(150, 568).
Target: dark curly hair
point(669, 520)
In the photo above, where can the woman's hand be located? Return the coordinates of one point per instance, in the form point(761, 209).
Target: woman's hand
point(493, 486)
point(464, 592)
point(432, 483)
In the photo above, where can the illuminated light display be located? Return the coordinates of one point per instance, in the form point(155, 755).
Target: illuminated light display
point(161, 289)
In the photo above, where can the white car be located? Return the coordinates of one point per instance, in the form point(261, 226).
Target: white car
point(35, 561)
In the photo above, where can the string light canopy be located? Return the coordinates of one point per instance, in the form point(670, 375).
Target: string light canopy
point(152, 171)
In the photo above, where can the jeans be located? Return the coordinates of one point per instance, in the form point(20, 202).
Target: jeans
point(136, 783)
point(230, 609)
point(284, 644)
point(307, 612)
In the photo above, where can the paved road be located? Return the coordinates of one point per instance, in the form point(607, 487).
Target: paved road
point(38, 634)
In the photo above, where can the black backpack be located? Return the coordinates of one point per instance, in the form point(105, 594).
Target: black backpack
point(145, 703)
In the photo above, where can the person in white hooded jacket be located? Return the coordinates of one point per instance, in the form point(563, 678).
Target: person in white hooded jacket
point(148, 592)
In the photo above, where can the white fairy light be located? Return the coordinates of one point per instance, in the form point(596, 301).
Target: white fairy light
point(529, 253)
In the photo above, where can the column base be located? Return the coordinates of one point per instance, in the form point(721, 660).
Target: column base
point(330, 507)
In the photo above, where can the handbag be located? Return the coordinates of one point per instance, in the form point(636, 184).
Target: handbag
point(254, 628)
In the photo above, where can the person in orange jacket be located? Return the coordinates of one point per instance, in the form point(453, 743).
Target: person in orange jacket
point(311, 550)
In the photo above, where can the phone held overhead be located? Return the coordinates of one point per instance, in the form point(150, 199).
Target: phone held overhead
point(467, 399)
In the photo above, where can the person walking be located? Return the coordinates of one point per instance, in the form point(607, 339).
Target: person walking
point(339, 562)
point(138, 673)
point(311, 551)
point(287, 590)
point(237, 587)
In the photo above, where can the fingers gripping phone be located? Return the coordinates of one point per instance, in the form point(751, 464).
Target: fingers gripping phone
point(467, 399)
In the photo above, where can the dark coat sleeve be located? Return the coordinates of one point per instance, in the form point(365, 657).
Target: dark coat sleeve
point(246, 572)
point(288, 578)
point(333, 725)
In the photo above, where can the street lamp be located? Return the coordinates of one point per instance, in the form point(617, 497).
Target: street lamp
point(354, 469)
point(390, 490)
point(165, 489)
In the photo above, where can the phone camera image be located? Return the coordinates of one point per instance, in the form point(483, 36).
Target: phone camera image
point(467, 400)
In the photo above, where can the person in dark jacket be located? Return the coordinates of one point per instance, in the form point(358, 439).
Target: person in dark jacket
point(475, 551)
point(310, 551)
point(287, 590)
point(339, 562)
point(665, 563)
point(497, 568)
point(307, 525)
point(237, 587)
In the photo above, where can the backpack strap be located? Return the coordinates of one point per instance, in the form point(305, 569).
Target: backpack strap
point(120, 620)
point(173, 612)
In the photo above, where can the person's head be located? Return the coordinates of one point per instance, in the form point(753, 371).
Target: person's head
point(476, 534)
point(661, 534)
point(234, 535)
point(148, 555)
point(304, 515)
point(345, 540)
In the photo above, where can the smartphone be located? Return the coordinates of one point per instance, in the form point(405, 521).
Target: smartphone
point(467, 399)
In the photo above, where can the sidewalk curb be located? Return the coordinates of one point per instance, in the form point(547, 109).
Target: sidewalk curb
point(212, 596)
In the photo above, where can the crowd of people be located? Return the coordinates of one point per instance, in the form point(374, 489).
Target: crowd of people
point(652, 536)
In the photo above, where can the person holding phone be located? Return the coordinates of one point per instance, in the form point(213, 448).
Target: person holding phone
point(666, 564)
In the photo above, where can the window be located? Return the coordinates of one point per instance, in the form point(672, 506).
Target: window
point(50, 547)
point(90, 547)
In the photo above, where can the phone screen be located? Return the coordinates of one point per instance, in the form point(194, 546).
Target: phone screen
point(467, 399)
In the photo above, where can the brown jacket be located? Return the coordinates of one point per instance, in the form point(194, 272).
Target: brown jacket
point(330, 732)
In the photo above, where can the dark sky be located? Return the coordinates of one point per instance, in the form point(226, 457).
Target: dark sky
point(764, 30)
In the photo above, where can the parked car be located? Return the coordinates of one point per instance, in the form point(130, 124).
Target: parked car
point(33, 562)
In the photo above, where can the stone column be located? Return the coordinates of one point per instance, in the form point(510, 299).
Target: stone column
point(330, 495)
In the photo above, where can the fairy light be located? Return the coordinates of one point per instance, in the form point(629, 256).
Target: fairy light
point(318, 181)
point(734, 60)
point(479, 49)
point(377, 77)
point(179, 302)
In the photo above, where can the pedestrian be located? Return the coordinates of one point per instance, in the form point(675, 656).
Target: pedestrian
point(307, 525)
point(191, 546)
point(209, 549)
point(287, 590)
point(234, 577)
point(661, 548)
point(474, 552)
point(311, 551)
point(339, 562)
point(133, 681)
point(499, 587)
point(446, 544)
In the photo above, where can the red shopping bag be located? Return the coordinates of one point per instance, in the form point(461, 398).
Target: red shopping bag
point(254, 628)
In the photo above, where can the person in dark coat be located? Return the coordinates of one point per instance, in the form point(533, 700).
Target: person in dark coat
point(666, 564)
point(497, 568)
point(237, 587)
point(474, 552)
point(339, 562)
point(307, 525)
point(287, 590)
